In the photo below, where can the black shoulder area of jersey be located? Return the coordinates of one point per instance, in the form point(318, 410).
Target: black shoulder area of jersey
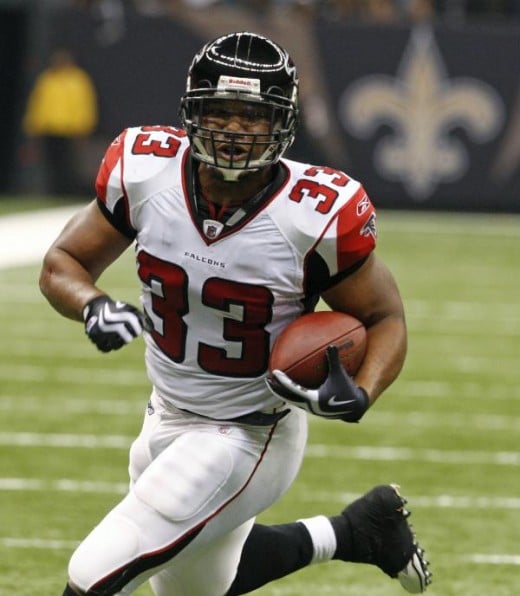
point(119, 218)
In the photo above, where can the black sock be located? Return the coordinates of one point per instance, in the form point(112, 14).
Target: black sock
point(271, 552)
point(343, 537)
point(69, 591)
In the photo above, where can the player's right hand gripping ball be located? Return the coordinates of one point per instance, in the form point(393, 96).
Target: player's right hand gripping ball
point(111, 325)
point(338, 397)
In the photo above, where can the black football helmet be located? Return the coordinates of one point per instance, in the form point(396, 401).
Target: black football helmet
point(249, 68)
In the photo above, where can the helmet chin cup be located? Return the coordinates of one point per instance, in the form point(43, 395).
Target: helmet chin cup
point(230, 175)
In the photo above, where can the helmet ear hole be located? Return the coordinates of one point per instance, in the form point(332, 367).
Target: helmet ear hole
point(204, 83)
point(248, 68)
point(274, 90)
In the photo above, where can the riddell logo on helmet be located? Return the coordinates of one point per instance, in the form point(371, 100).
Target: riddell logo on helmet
point(252, 85)
point(245, 82)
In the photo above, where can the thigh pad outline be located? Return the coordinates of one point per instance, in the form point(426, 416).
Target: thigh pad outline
point(186, 476)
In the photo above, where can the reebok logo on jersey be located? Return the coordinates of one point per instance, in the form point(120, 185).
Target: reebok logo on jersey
point(362, 206)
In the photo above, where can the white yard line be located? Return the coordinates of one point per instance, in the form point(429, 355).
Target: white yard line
point(24, 237)
point(393, 454)
point(494, 559)
point(38, 543)
point(417, 502)
point(63, 485)
point(27, 439)
point(80, 405)
point(360, 453)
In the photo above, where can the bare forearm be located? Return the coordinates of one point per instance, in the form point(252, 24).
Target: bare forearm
point(386, 352)
point(372, 296)
point(66, 284)
point(85, 248)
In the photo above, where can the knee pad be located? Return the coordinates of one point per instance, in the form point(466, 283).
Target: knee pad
point(110, 546)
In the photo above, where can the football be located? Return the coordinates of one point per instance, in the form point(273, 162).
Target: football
point(300, 350)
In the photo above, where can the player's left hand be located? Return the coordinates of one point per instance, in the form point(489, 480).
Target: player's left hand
point(338, 397)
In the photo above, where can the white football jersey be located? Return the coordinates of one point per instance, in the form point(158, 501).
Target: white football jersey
point(218, 295)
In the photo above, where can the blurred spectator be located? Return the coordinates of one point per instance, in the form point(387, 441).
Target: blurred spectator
point(61, 112)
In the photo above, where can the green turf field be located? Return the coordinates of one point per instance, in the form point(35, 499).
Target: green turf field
point(447, 431)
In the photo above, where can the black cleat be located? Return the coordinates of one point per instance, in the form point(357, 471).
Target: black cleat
point(380, 535)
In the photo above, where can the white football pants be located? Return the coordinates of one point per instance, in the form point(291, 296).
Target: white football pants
point(196, 487)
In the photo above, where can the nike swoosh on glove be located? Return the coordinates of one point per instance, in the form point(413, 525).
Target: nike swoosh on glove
point(338, 397)
point(111, 325)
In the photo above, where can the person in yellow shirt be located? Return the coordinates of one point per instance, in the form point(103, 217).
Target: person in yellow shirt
point(61, 111)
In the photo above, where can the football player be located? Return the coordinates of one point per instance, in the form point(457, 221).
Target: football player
point(233, 242)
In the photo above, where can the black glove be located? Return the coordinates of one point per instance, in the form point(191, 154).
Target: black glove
point(111, 325)
point(338, 397)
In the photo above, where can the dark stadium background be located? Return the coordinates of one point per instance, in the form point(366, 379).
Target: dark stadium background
point(140, 73)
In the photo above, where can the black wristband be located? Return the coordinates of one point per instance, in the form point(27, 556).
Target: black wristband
point(91, 305)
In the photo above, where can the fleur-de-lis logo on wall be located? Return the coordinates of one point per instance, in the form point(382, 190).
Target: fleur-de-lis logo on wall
point(422, 106)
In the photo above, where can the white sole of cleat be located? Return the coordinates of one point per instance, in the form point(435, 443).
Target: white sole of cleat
point(415, 577)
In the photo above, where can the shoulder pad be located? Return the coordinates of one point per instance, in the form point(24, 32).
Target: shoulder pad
point(140, 162)
point(328, 212)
